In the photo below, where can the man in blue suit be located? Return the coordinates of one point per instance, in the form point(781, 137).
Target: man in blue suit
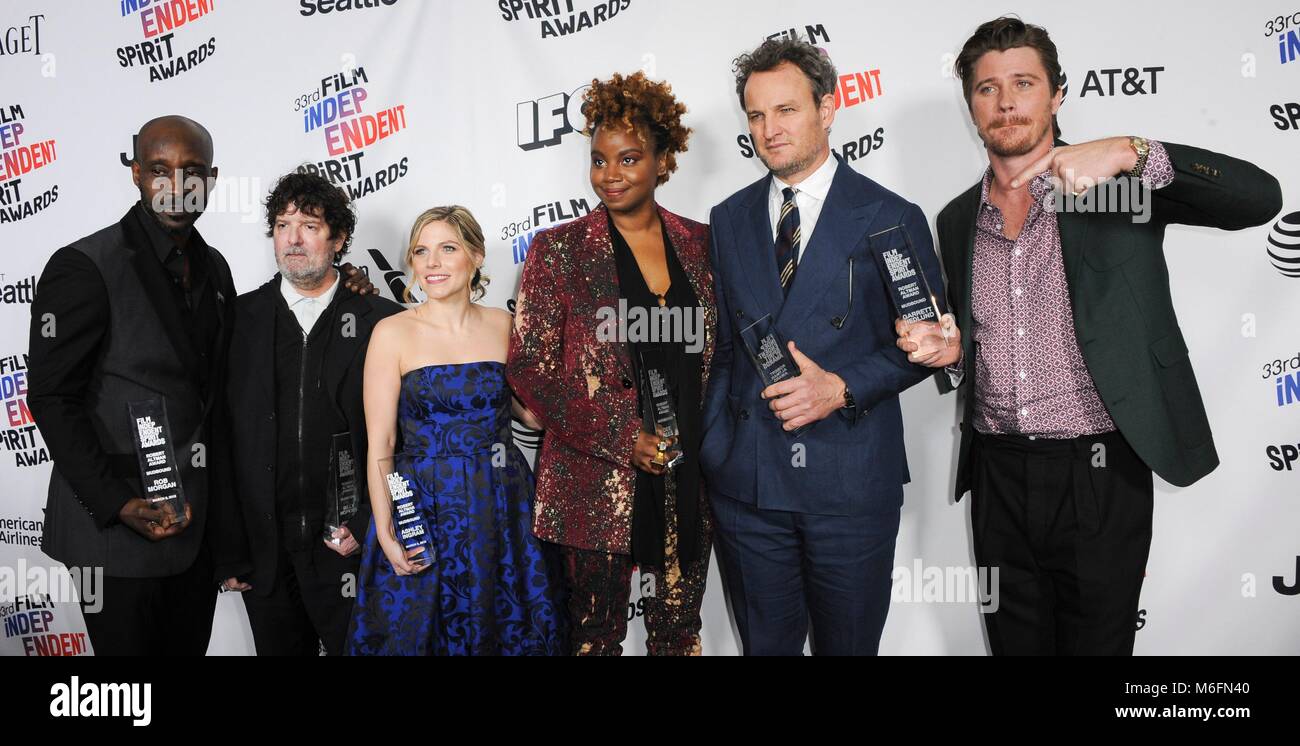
point(806, 523)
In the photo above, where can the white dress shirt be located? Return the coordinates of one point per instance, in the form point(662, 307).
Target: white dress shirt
point(809, 197)
point(308, 310)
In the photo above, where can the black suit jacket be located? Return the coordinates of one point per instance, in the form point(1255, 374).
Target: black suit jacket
point(250, 548)
point(96, 315)
point(1123, 314)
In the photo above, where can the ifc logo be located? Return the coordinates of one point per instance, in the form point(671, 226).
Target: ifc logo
point(1284, 245)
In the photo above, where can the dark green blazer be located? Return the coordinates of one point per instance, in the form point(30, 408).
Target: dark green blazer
point(1124, 317)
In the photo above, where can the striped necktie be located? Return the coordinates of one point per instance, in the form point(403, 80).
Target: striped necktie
point(787, 240)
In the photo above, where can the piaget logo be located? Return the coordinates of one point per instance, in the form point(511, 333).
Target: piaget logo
point(22, 38)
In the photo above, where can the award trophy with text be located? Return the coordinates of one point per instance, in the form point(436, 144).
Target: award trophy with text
point(911, 294)
point(411, 529)
point(769, 354)
point(152, 436)
point(659, 415)
point(341, 487)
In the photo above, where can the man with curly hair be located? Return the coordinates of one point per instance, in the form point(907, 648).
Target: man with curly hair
point(297, 353)
point(140, 312)
point(806, 521)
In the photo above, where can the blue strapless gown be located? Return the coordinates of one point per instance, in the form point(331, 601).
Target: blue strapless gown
point(494, 588)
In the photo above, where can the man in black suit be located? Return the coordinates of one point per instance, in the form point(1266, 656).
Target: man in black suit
point(1079, 384)
point(296, 361)
point(139, 311)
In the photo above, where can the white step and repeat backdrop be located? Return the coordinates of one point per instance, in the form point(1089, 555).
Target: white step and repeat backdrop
point(414, 103)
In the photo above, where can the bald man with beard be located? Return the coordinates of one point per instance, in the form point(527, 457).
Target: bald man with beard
point(138, 312)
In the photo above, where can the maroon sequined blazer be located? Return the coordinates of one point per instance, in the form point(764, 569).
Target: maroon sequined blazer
point(581, 387)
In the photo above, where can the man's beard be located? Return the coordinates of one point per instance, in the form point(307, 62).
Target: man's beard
point(305, 276)
point(1011, 148)
point(798, 162)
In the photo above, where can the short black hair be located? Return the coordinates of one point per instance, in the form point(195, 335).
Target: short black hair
point(316, 195)
point(812, 61)
point(174, 125)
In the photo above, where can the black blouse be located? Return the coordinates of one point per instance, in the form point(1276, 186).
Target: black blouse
point(682, 369)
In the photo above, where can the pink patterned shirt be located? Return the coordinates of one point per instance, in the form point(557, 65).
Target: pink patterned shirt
point(1030, 375)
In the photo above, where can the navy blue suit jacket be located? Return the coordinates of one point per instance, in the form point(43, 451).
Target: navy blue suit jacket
point(850, 463)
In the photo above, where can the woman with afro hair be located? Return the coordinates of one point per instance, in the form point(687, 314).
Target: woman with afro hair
point(607, 303)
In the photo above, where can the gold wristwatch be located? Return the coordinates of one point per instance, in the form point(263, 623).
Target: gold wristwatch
point(1143, 149)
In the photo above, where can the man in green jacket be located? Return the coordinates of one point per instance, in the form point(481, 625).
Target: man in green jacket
point(1078, 380)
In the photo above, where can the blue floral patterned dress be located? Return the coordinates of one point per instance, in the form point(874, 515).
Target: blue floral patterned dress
point(493, 587)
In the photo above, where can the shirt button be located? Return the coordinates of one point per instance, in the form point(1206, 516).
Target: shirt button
point(1020, 332)
point(1016, 252)
point(1018, 291)
point(1024, 412)
point(1022, 375)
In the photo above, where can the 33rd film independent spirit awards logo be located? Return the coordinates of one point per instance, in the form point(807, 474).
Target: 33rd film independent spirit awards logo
point(520, 233)
point(18, 430)
point(30, 613)
point(342, 113)
point(166, 55)
point(32, 619)
point(1285, 31)
point(23, 155)
point(856, 85)
point(556, 18)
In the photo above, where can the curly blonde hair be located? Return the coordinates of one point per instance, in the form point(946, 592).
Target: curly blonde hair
point(638, 104)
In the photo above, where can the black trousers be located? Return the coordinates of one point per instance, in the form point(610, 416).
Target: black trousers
point(169, 616)
point(1067, 525)
point(309, 605)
